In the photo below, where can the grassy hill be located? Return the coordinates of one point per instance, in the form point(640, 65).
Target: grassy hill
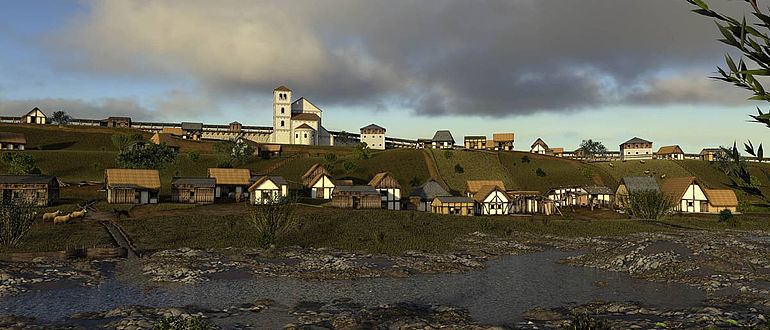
point(558, 172)
point(476, 165)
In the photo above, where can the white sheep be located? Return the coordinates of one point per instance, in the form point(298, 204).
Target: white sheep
point(78, 214)
point(50, 216)
point(62, 219)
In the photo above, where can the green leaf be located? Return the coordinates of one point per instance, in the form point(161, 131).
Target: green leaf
point(730, 63)
point(701, 4)
point(759, 153)
point(756, 72)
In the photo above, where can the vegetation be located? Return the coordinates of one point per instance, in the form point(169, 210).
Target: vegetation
point(474, 165)
point(16, 219)
point(459, 169)
point(560, 172)
point(448, 154)
point(151, 156)
point(272, 220)
point(193, 156)
point(362, 151)
point(124, 141)
point(539, 172)
point(236, 152)
point(20, 163)
point(725, 216)
point(584, 321)
point(650, 205)
point(349, 165)
point(592, 149)
point(61, 118)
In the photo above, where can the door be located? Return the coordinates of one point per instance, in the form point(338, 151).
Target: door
point(356, 202)
point(218, 192)
point(144, 197)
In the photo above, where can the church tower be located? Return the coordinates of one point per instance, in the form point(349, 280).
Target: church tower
point(282, 115)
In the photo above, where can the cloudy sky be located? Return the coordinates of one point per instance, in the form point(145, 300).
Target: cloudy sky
point(563, 70)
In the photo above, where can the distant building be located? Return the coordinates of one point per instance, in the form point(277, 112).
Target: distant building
point(322, 186)
point(670, 152)
point(636, 148)
point(297, 122)
point(442, 140)
point(475, 142)
point(634, 184)
point(116, 122)
point(131, 186)
point(374, 136)
point(192, 131)
point(424, 143)
point(41, 188)
point(12, 141)
point(236, 127)
point(389, 189)
point(556, 152)
point(34, 116)
point(530, 202)
point(193, 190)
point(710, 154)
point(168, 139)
point(267, 189)
point(489, 196)
point(455, 205)
point(501, 141)
point(539, 147)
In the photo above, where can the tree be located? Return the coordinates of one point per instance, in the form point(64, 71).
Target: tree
point(350, 165)
point(362, 151)
point(238, 152)
point(539, 172)
point(525, 159)
point(591, 148)
point(152, 156)
point(16, 218)
point(273, 219)
point(193, 156)
point(124, 141)
point(448, 154)
point(20, 163)
point(61, 118)
point(459, 169)
point(753, 42)
point(343, 138)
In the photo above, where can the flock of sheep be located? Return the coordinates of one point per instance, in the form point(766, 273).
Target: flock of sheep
point(58, 218)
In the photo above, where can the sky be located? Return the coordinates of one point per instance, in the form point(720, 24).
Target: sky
point(562, 70)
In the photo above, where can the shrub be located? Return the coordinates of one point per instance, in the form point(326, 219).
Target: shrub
point(726, 216)
point(152, 156)
point(272, 220)
point(350, 165)
point(362, 151)
point(587, 172)
point(193, 156)
point(225, 164)
point(647, 204)
point(448, 154)
point(181, 323)
point(329, 167)
point(16, 218)
point(414, 182)
point(540, 172)
point(459, 169)
point(745, 206)
point(330, 157)
point(525, 159)
point(484, 224)
point(583, 321)
point(19, 163)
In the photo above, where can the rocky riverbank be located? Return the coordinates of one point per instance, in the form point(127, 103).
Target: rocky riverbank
point(18, 277)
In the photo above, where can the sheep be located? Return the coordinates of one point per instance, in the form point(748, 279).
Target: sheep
point(50, 216)
point(62, 219)
point(78, 214)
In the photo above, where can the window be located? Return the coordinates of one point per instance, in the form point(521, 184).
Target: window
point(690, 203)
point(281, 123)
point(306, 135)
point(282, 110)
point(296, 136)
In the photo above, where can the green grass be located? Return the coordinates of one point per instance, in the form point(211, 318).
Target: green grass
point(52, 137)
point(476, 166)
point(559, 172)
point(656, 168)
point(711, 222)
point(44, 237)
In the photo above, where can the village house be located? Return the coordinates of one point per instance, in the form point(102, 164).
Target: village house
point(539, 147)
point(41, 188)
point(421, 199)
point(322, 186)
point(373, 136)
point(456, 205)
point(268, 189)
point(173, 131)
point(231, 182)
point(530, 202)
point(270, 150)
point(568, 196)
point(168, 139)
point(600, 196)
point(132, 186)
point(501, 141)
point(670, 152)
point(634, 184)
point(297, 122)
point(12, 141)
point(475, 142)
point(636, 148)
point(489, 196)
point(34, 116)
point(192, 131)
point(116, 122)
point(442, 140)
point(356, 197)
point(424, 143)
point(710, 154)
point(312, 173)
point(193, 190)
point(691, 196)
point(556, 152)
point(389, 189)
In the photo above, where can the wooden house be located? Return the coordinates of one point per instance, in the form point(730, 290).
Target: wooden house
point(389, 189)
point(270, 150)
point(312, 173)
point(634, 184)
point(12, 141)
point(268, 189)
point(456, 205)
point(600, 196)
point(636, 148)
point(710, 154)
point(670, 152)
point(34, 116)
point(539, 147)
point(356, 197)
point(192, 131)
point(422, 198)
point(442, 140)
point(491, 200)
point(474, 186)
point(501, 141)
point(131, 186)
point(168, 139)
point(193, 190)
point(231, 182)
point(530, 202)
point(116, 122)
point(556, 152)
point(322, 186)
point(475, 142)
point(691, 196)
point(374, 136)
point(41, 188)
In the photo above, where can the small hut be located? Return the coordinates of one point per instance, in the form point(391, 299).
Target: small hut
point(116, 122)
point(452, 205)
point(43, 188)
point(268, 189)
point(231, 182)
point(193, 190)
point(12, 141)
point(322, 186)
point(389, 189)
point(131, 186)
point(356, 197)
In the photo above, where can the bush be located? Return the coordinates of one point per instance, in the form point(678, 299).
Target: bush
point(414, 182)
point(330, 157)
point(350, 165)
point(726, 216)
point(272, 220)
point(19, 163)
point(225, 164)
point(459, 169)
point(181, 323)
point(525, 159)
point(193, 156)
point(647, 204)
point(540, 172)
point(362, 151)
point(16, 218)
point(583, 321)
point(587, 172)
point(329, 167)
point(448, 154)
point(152, 156)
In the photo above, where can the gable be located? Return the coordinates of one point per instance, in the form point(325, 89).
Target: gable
point(322, 180)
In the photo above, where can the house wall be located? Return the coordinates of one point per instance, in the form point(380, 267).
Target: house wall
point(199, 196)
point(267, 192)
point(496, 203)
point(636, 151)
point(453, 208)
point(538, 149)
point(365, 201)
point(374, 140)
point(691, 200)
point(323, 188)
point(42, 193)
point(11, 146)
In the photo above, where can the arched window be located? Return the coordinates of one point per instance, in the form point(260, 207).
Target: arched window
point(282, 110)
point(281, 123)
point(306, 135)
point(296, 136)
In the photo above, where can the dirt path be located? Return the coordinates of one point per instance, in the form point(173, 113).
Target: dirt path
point(433, 169)
point(281, 163)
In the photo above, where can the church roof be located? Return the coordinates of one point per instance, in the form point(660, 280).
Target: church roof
point(308, 101)
point(305, 116)
point(305, 126)
point(283, 89)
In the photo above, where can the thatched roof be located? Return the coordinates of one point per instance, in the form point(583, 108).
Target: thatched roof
point(676, 187)
point(362, 190)
point(120, 177)
point(381, 176)
point(485, 191)
point(473, 186)
point(668, 150)
point(540, 142)
point(502, 137)
point(453, 199)
point(166, 138)
point(312, 169)
point(232, 176)
point(10, 137)
point(319, 176)
point(26, 179)
point(258, 180)
point(721, 197)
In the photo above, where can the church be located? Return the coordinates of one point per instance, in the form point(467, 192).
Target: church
point(297, 122)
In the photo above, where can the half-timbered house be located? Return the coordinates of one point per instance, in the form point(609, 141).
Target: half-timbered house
point(670, 152)
point(268, 189)
point(501, 141)
point(539, 147)
point(457, 205)
point(389, 189)
point(34, 116)
point(231, 182)
point(322, 186)
point(312, 173)
point(475, 142)
point(491, 200)
point(691, 196)
point(636, 148)
point(442, 140)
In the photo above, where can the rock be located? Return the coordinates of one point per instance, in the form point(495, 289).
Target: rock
point(542, 314)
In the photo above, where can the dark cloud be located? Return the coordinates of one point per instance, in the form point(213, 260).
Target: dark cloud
point(437, 58)
point(77, 108)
